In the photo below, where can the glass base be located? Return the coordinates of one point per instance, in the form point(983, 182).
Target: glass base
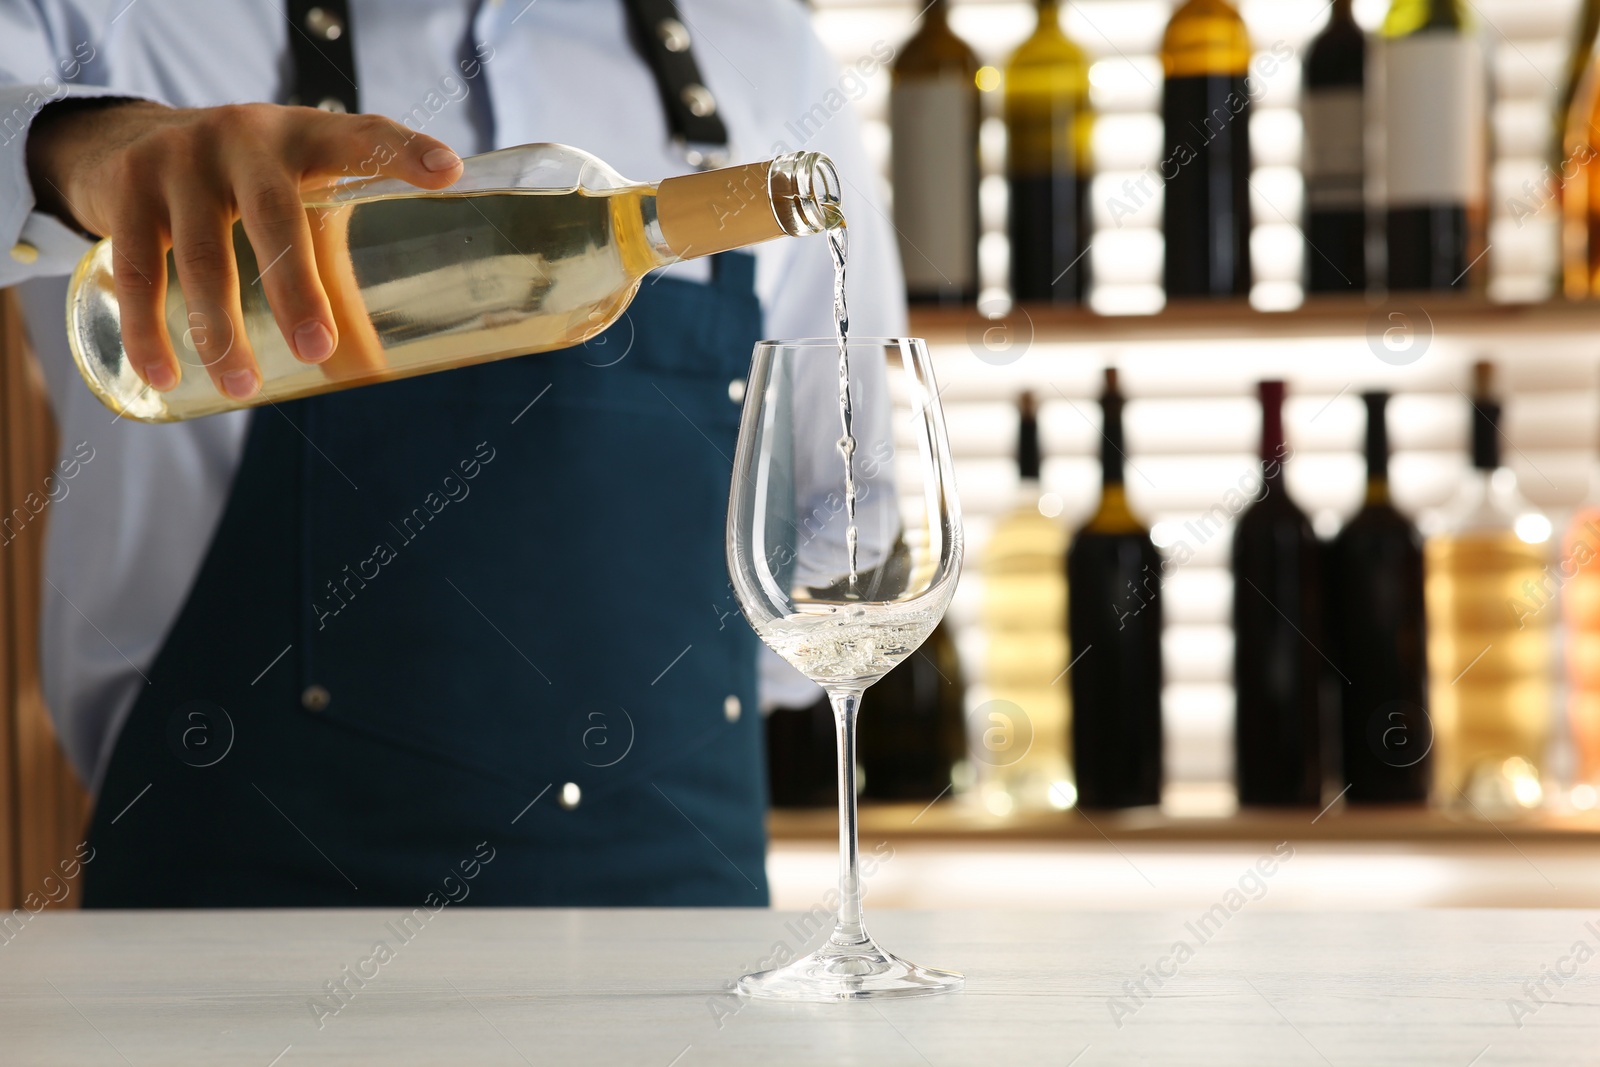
point(849, 972)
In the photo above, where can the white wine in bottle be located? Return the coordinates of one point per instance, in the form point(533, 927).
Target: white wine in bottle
point(535, 248)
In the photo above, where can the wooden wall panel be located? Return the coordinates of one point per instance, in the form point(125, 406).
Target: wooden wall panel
point(43, 807)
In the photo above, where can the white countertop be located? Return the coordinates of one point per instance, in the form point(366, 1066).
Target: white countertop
point(652, 988)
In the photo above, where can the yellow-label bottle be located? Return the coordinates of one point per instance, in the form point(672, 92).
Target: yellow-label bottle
point(1048, 129)
point(1489, 644)
point(1022, 750)
point(534, 248)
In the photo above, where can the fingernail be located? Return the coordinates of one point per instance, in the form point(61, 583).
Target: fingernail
point(160, 377)
point(312, 342)
point(438, 159)
point(239, 384)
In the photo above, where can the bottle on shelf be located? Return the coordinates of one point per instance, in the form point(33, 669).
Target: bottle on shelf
point(1277, 634)
point(911, 740)
point(534, 248)
point(1205, 113)
point(1378, 639)
point(1334, 111)
point(1578, 176)
point(1048, 128)
point(1114, 639)
point(933, 131)
point(1435, 134)
point(802, 757)
point(1489, 638)
point(1578, 578)
point(1024, 604)
point(1584, 30)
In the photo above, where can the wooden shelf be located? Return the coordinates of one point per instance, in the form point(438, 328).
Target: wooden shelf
point(958, 821)
point(1224, 319)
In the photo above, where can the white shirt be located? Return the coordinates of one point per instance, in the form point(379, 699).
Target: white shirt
point(129, 528)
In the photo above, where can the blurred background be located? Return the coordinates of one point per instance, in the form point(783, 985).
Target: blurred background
point(1479, 280)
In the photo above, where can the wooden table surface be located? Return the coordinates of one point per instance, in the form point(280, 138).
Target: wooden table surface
point(650, 988)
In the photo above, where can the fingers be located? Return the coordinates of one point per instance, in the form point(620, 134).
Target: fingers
point(139, 267)
point(367, 146)
point(202, 249)
point(275, 221)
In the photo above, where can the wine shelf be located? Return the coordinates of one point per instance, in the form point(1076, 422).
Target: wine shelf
point(1223, 319)
point(957, 821)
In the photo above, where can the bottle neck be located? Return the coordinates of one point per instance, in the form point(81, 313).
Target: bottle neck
point(1113, 515)
point(1030, 457)
point(1272, 442)
point(1377, 448)
point(1485, 434)
point(714, 211)
point(1112, 447)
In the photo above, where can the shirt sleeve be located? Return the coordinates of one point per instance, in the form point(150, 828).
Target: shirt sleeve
point(47, 54)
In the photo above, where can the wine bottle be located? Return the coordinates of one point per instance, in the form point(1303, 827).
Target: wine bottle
point(1489, 641)
point(1334, 110)
point(1048, 129)
point(1577, 581)
point(1435, 131)
point(1205, 113)
point(1578, 179)
point(1277, 616)
point(1585, 28)
point(912, 733)
point(534, 248)
point(933, 131)
point(1024, 603)
point(1378, 635)
point(1114, 639)
point(802, 757)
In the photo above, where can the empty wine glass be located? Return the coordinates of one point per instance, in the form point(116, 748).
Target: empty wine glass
point(844, 590)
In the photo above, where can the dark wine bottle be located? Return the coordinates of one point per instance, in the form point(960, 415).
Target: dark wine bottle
point(912, 729)
point(802, 757)
point(1048, 128)
point(1114, 637)
point(1277, 630)
point(1334, 109)
point(1435, 123)
point(933, 130)
point(1205, 112)
point(1377, 637)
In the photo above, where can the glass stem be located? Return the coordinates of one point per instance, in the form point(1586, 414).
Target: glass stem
point(851, 930)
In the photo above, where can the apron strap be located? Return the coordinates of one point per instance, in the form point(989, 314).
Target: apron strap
point(662, 38)
point(325, 70)
point(324, 58)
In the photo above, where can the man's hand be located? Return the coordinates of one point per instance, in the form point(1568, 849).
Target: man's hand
point(154, 178)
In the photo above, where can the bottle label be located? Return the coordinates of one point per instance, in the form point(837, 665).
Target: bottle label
point(934, 172)
point(1335, 156)
point(1435, 120)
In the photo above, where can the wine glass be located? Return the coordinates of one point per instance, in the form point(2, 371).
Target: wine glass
point(844, 591)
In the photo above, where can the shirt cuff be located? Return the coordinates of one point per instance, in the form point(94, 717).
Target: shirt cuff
point(34, 244)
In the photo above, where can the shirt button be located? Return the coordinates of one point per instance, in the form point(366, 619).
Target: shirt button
point(570, 795)
point(731, 708)
point(25, 252)
point(736, 390)
point(315, 698)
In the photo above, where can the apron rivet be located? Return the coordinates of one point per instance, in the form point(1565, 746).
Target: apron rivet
point(736, 390)
point(698, 99)
point(570, 795)
point(731, 708)
point(315, 698)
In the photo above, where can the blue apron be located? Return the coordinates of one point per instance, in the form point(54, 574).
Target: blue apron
point(499, 605)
